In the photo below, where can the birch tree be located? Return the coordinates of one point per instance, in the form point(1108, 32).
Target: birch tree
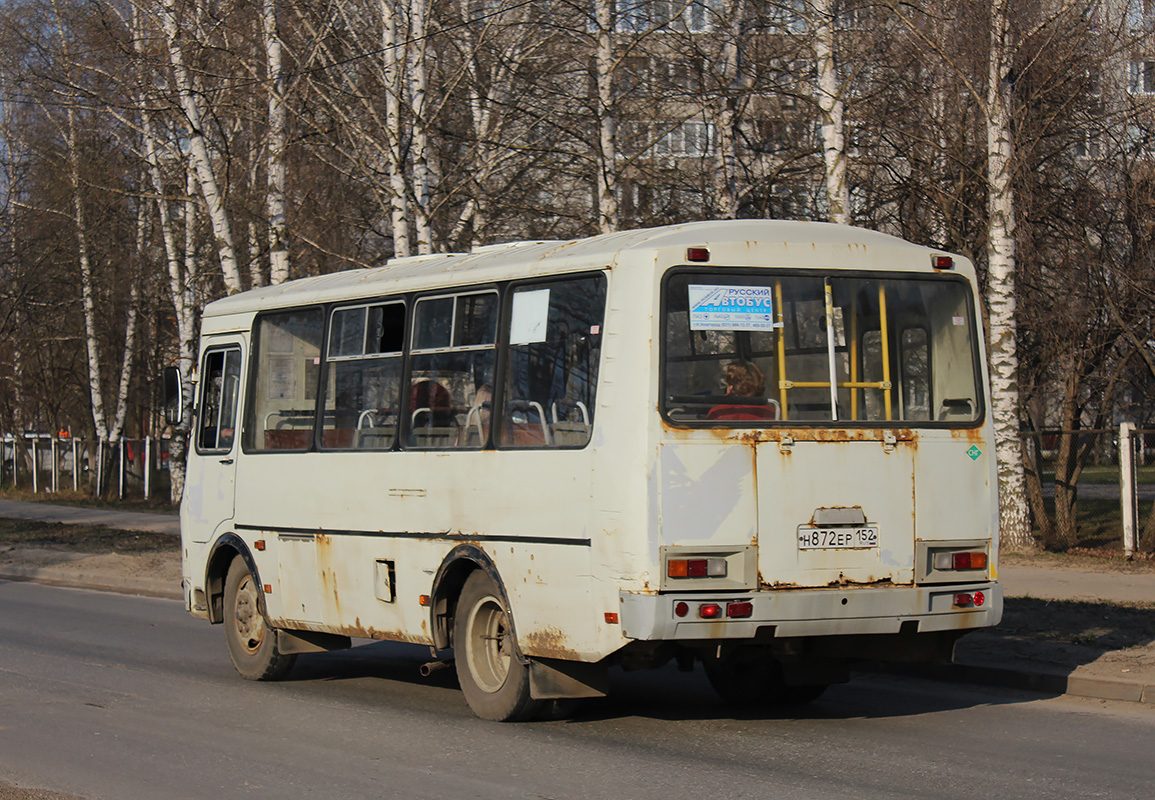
point(278, 133)
point(199, 154)
point(606, 185)
point(1014, 516)
point(830, 103)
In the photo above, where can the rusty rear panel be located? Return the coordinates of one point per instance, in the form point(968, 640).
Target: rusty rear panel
point(808, 475)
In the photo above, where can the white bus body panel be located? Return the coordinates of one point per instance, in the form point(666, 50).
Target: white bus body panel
point(353, 540)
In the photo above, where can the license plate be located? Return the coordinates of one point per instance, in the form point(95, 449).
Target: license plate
point(859, 538)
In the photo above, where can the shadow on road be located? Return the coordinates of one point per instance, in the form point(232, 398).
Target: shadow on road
point(662, 694)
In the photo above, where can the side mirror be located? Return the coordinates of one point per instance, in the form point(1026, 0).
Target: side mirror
point(173, 396)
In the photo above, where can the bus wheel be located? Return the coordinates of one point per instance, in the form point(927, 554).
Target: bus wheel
point(252, 642)
point(495, 684)
point(753, 677)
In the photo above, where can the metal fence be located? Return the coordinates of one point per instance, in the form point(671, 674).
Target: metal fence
point(44, 463)
point(1088, 489)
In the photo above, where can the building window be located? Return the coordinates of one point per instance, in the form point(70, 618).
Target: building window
point(690, 138)
point(1140, 14)
point(1086, 146)
point(640, 16)
point(788, 16)
point(1143, 77)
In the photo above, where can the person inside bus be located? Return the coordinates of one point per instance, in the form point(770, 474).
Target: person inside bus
point(431, 405)
point(746, 383)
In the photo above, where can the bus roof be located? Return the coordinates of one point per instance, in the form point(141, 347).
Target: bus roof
point(730, 242)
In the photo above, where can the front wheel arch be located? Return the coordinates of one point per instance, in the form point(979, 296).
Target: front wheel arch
point(225, 549)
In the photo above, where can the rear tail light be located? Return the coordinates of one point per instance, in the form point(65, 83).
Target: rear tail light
point(696, 568)
point(970, 560)
point(709, 611)
point(960, 561)
point(739, 610)
point(742, 609)
point(969, 599)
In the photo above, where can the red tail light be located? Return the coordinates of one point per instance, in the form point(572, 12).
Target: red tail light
point(744, 609)
point(970, 560)
point(696, 568)
point(709, 611)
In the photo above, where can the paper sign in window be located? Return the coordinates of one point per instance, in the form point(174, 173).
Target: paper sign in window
point(529, 317)
point(731, 308)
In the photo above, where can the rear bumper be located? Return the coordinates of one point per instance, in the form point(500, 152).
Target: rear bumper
point(811, 612)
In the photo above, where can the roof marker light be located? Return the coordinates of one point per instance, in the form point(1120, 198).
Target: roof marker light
point(942, 262)
point(697, 254)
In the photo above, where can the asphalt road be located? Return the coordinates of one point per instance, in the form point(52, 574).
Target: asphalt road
point(127, 698)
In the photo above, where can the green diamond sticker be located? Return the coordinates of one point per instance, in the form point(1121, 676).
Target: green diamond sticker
point(974, 452)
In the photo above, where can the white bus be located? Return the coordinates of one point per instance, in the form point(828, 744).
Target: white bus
point(760, 445)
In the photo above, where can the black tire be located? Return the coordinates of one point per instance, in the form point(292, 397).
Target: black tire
point(251, 640)
point(494, 681)
point(752, 677)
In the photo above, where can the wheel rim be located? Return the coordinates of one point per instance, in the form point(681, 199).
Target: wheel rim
point(250, 625)
point(488, 644)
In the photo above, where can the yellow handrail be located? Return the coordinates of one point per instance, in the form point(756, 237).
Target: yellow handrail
point(885, 350)
point(781, 348)
point(854, 361)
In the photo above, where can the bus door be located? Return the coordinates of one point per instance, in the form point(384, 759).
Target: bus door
point(211, 480)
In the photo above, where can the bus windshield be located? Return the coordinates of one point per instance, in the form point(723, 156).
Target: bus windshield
point(762, 348)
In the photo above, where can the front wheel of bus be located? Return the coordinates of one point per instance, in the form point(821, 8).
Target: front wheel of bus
point(494, 681)
point(252, 642)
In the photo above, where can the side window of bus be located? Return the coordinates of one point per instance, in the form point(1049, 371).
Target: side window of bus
point(220, 389)
point(551, 372)
point(363, 377)
point(282, 406)
point(451, 371)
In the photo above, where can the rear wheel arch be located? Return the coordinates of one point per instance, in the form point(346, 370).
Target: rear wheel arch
point(451, 576)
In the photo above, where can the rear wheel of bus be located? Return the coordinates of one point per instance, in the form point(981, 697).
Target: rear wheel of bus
point(251, 641)
point(493, 678)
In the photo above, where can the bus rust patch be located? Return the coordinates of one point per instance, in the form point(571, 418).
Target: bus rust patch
point(548, 643)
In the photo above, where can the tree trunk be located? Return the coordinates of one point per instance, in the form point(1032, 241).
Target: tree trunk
point(726, 188)
point(830, 108)
point(605, 156)
point(278, 131)
point(199, 153)
point(393, 21)
point(1014, 518)
point(418, 79)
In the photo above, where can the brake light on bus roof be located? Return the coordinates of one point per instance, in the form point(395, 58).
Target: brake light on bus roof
point(696, 568)
point(697, 254)
point(942, 262)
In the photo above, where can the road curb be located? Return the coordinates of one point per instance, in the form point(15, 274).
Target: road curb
point(138, 586)
point(1071, 685)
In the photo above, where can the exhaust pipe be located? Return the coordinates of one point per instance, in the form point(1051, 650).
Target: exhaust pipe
point(430, 667)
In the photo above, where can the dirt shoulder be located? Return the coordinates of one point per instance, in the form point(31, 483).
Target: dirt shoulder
point(91, 555)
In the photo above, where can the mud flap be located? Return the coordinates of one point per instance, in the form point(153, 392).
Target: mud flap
point(310, 641)
point(554, 678)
